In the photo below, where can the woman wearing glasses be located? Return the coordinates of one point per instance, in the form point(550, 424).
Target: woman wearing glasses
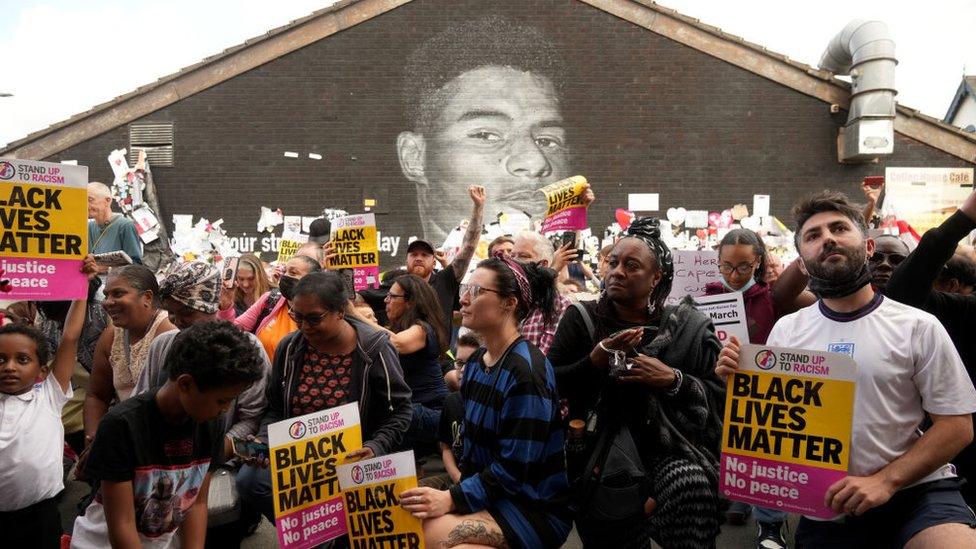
point(333, 359)
point(742, 263)
point(513, 489)
point(418, 334)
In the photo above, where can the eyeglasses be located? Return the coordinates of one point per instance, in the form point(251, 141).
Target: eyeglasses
point(474, 290)
point(311, 320)
point(395, 296)
point(893, 259)
point(741, 268)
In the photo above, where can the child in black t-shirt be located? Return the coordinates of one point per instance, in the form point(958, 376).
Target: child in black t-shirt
point(153, 452)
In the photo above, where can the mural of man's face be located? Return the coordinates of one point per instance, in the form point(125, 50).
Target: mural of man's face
point(495, 126)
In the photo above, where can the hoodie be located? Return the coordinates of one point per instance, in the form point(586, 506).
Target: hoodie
point(377, 383)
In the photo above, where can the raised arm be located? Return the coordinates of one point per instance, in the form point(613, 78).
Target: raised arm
point(911, 283)
point(65, 358)
point(790, 292)
point(473, 234)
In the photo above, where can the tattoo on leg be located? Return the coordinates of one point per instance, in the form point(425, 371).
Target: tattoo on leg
point(477, 532)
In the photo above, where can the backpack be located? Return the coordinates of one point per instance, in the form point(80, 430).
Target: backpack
point(614, 485)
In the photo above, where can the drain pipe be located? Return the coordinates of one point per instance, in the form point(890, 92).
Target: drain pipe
point(865, 51)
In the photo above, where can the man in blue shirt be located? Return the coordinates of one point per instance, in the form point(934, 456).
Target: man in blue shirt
point(108, 231)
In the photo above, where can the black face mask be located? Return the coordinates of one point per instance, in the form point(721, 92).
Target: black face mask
point(287, 286)
point(833, 288)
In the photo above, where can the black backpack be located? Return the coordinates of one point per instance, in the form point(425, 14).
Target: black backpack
point(614, 484)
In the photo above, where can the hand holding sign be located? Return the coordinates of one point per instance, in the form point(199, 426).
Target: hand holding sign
point(427, 503)
point(728, 359)
point(856, 495)
point(363, 453)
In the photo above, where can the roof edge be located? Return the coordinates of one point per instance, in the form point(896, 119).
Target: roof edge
point(198, 77)
point(345, 14)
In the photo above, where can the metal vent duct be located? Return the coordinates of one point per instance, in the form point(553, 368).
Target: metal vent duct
point(865, 51)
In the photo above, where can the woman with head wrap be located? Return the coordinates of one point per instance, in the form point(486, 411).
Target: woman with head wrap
point(190, 295)
point(513, 490)
point(639, 375)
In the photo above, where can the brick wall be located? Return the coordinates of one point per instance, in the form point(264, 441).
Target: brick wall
point(644, 114)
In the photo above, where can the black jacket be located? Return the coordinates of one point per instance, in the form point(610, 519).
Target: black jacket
point(384, 397)
point(911, 284)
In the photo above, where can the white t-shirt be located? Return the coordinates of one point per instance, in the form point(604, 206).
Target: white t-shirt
point(906, 366)
point(31, 445)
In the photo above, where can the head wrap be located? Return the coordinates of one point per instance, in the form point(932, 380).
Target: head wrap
point(648, 231)
point(195, 284)
point(525, 289)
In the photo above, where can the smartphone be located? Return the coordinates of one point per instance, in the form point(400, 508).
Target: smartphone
point(229, 271)
point(571, 239)
point(250, 448)
point(874, 181)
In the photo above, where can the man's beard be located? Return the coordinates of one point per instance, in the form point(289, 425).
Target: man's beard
point(419, 270)
point(838, 279)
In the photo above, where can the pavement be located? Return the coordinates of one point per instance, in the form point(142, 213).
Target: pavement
point(732, 537)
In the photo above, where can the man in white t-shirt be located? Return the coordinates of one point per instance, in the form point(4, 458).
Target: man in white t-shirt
point(900, 491)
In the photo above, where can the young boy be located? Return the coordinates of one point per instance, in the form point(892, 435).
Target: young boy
point(32, 394)
point(153, 452)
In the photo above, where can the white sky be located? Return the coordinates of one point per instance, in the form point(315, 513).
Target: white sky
point(61, 57)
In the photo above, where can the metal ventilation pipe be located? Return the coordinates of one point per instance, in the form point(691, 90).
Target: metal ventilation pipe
point(865, 51)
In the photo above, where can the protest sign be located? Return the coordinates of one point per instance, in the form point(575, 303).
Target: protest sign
point(44, 236)
point(728, 314)
point(566, 210)
point(692, 271)
point(355, 245)
point(288, 246)
point(925, 197)
point(372, 489)
point(305, 453)
point(787, 431)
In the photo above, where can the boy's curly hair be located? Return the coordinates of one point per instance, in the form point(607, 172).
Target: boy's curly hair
point(215, 354)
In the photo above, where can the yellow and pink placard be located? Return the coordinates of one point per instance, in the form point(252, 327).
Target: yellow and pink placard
point(566, 205)
point(306, 452)
point(43, 229)
point(787, 431)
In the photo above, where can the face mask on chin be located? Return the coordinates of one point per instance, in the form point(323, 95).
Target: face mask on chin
point(287, 286)
point(835, 283)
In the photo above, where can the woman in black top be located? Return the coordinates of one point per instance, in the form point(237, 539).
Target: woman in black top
point(333, 359)
point(418, 333)
point(636, 370)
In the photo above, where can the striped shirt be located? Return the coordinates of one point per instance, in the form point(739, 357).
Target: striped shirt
point(513, 455)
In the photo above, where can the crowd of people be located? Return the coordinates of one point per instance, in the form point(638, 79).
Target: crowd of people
point(547, 411)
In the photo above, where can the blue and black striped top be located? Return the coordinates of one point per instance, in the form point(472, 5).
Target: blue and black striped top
point(513, 459)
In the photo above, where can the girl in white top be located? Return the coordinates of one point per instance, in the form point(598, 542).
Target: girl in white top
point(31, 432)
